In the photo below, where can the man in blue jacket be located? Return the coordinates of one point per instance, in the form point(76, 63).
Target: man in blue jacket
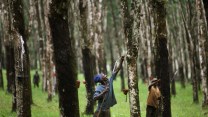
point(104, 92)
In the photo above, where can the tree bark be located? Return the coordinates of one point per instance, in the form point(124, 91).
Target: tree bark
point(161, 57)
point(1, 44)
point(1, 38)
point(8, 48)
point(48, 55)
point(87, 55)
point(49, 66)
point(10, 66)
point(22, 66)
point(202, 37)
point(131, 28)
point(44, 10)
point(99, 39)
point(65, 56)
point(206, 41)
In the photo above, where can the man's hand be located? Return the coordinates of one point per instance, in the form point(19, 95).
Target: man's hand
point(105, 90)
point(101, 95)
point(122, 58)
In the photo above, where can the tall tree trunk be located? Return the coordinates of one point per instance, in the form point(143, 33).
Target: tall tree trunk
point(22, 66)
point(48, 54)
point(42, 50)
point(10, 66)
point(8, 48)
point(131, 31)
point(205, 2)
point(65, 56)
point(99, 39)
point(49, 65)
point(87, 55)
point(161, 57)
point(39, 34)
point(1, 57)
point(202, 37)
point(181, 75)
point(14, 92)
point(206, 41)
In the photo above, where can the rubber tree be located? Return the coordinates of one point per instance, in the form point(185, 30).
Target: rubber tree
point(22, 66)
point(131, 22)
point(87, 58)
point(161, 53)
point(62, 25)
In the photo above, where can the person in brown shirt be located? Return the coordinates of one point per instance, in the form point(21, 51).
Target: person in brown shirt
point(153, 98)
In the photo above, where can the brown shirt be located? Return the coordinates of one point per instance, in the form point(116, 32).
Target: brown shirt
point(153, 96)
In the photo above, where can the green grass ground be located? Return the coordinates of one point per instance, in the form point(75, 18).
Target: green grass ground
point(181, 105)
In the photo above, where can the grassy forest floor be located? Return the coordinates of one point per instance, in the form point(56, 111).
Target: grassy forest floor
point(181, 105)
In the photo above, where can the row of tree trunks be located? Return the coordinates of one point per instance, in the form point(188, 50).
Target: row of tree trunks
point(62, 27)
point(190, 44)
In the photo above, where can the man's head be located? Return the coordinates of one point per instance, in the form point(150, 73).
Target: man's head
point(153, 81)
point(100, 78)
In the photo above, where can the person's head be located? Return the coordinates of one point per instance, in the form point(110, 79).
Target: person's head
point(36, 72)
point(101, 78)
point(153, 82)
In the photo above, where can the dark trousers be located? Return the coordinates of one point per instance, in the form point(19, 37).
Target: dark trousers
point(105, 113)
point(36, 84)
point(151, 111)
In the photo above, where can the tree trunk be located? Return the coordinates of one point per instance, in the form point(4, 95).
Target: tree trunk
point(202, 37)
point(172, 78)
point(65, 56)
point(10, 66)
point(14, 97)
point(1, 38)
point(42, 50)
point(48, 55)
point(206, 41)
point(49, 66)
point(99, 40)
point(131, 34)
point(205, 2)
point(87, 55)
point(22, 66)
point(161, 57)
point(182, 77)
point(9, 49)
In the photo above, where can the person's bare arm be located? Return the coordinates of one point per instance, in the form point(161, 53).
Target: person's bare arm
point(118, 65)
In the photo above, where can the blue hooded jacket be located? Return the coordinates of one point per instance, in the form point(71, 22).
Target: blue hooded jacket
point(109, 97)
